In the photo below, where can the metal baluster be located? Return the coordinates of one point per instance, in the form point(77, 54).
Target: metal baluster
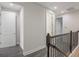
point(55, 45)
point(70, 41)
point(51, 48)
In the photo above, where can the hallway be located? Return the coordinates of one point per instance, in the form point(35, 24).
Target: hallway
point(28, 24)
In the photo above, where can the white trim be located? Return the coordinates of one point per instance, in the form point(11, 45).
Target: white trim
point(33, 50)
point(22, 28)
point(74, 51)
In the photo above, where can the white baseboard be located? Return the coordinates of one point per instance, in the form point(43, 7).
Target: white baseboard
point(33, 50)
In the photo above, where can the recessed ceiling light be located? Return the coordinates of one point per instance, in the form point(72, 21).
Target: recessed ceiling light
point(11, 4)
point(55, 7)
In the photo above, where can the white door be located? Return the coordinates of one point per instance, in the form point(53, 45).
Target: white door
point(59, 25)
point(8, 29)
point(49, 23)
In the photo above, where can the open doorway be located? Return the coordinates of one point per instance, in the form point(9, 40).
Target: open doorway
point(10, 15)
point(59, 25)
point(9, 25)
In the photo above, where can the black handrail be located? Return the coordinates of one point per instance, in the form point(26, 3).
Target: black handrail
point(59, 35)
point(48, 42)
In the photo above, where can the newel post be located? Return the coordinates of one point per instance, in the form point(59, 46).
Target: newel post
point(71, 41)
point(47, 43)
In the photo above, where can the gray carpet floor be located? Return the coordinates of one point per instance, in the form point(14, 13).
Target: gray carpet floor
point(16, 51)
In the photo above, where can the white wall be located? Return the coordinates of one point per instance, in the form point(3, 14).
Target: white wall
point(71, 21)
point(21, 26)
point(34, 27)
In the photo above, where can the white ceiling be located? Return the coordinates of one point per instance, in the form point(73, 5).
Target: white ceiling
point(6, 5)
point(61, 6)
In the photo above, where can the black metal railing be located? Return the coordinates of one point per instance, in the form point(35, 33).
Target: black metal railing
point(61, 45)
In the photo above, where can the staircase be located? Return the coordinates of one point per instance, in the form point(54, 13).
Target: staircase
point(62, 45)
point(75, 52)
